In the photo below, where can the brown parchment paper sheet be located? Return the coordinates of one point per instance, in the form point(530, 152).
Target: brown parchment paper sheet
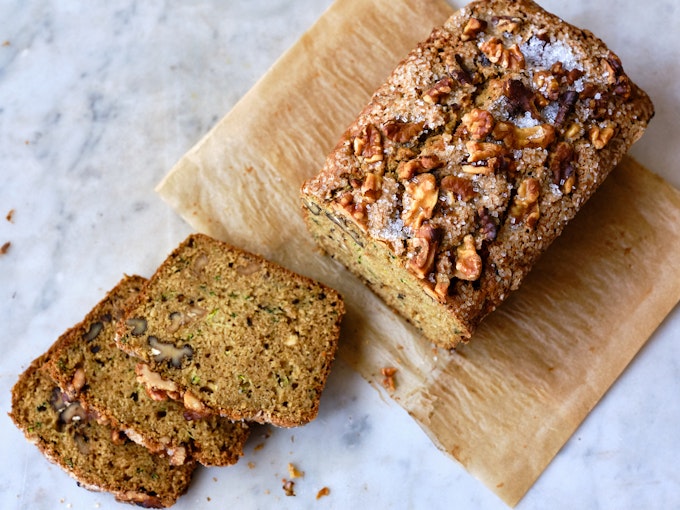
point(506, 403)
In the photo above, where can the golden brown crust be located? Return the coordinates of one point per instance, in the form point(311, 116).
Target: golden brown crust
point(470, 160)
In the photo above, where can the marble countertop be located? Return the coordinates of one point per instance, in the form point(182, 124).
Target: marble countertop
point(97, 104)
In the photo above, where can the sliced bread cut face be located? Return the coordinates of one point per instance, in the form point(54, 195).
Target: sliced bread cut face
point(93, 454)
point(240, 336)
point(87, 364)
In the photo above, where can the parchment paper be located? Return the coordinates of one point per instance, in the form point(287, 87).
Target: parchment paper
point(506, 403)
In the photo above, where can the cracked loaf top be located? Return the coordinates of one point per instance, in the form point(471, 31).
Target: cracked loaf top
point(480, 147)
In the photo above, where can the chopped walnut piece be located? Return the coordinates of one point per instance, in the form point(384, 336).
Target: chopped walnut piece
point(573, 131)
point(420, 198)
point(200, 263)
point(439, 91)
point(567, 102)
point(479, 169)
point(166, 351)
point(468, 261)
point(600, 137)
point(77, 382)
point(407, 169)
point(93, 331)
point(288, 487)
point(509, 58)
point(521, 98)
point(564, 174)
point(462, 74)
point(479, 151)
point(539, 136)
point(402, 132)
point(73, 412)
point(359, 213)
point(138, 325)
point(371, 187)
point(156, 387)
point(460, 187)
point(423, 248)
point(525, 207)
point(608, 70)
point(388, 377)
point(368, 145)
point(479, 123)
point(192, 403)
point(493, 49)
point(535, 137)
point(472, 28)
point(547, 84)
point(443, 272)
point(178, 456)
point(508, 24)
point(623, 87)
point(430, 162)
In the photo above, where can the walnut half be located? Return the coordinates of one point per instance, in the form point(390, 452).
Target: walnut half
point(509, 58)
point(600, 137)
point(479, 123)
point(421, 195)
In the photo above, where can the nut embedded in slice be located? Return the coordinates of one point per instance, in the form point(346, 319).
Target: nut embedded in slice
point(264, 350)
point(117, 390)
point(92, 453)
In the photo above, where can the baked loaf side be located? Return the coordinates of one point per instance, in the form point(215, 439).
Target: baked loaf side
point(470, 160)
point(87, 364)
point(234, 334)
point(93, 454)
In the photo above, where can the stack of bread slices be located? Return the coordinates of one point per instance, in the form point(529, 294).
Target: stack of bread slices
point(166, 373)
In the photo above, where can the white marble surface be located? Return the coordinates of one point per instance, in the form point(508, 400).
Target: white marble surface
point(99, 99)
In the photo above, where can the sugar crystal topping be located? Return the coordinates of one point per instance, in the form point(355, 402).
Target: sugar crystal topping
point(544, 55)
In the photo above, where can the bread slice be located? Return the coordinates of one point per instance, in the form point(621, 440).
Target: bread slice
point(237, 335)
point(87, 364)
point(470, 160)
point(96, 456)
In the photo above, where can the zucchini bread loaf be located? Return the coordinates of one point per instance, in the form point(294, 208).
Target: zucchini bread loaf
point(89, 367)
point(470, 160)
point(95, 455)
point(230, 333)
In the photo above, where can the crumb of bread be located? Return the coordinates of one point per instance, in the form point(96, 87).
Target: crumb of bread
point(294, 472)
point(388, 377)
point(325, 491)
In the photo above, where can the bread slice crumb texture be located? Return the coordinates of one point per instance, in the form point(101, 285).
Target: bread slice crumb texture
point(69, 437)
point(240, 336)
point(89, 366)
